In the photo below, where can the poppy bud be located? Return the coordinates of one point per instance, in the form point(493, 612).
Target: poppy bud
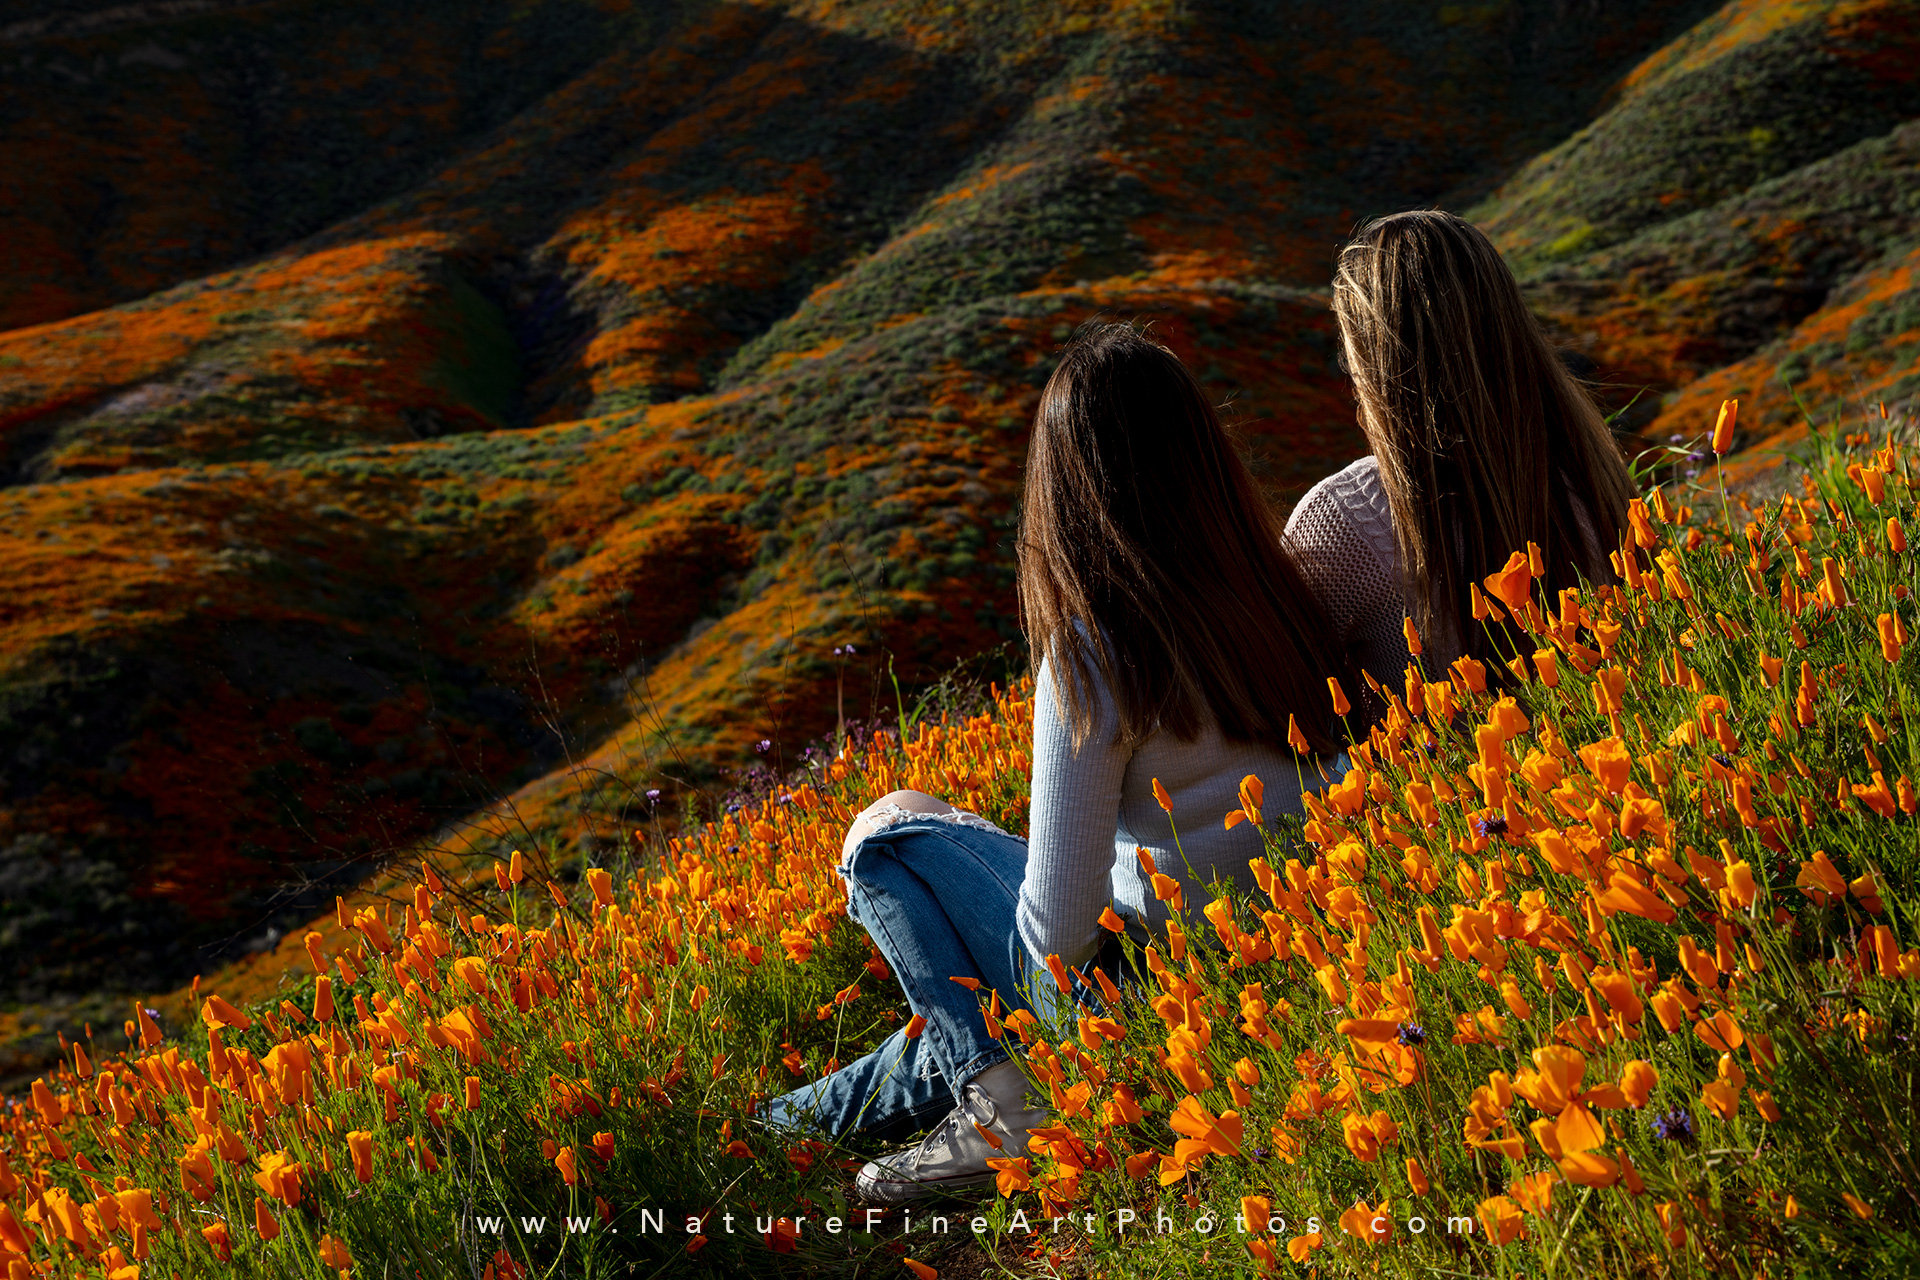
point(323, 999)
point(1723, 428)
point(1340, 704)
point(360, 1146)
point(1160, 795)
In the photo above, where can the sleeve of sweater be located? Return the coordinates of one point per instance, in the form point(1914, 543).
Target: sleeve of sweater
point(1075, 812)
point(1333, 554)
point(1335, 535)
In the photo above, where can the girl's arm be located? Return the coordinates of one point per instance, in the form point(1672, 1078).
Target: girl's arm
point(1071, 827)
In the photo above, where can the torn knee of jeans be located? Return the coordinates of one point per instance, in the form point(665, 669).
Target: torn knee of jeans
point(849, 857)
point(852, 860)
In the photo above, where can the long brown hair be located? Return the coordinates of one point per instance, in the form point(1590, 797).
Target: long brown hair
point(1485, 442)
point(1140, 522)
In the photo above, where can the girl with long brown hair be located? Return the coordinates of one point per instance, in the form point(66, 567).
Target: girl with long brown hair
point(1482, 442)
point(1176, 644)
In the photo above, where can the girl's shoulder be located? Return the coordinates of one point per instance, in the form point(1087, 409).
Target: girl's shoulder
point(1345, 508)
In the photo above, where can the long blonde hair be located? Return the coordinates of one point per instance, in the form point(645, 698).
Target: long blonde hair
point(1485, 442)
point(1141, 523)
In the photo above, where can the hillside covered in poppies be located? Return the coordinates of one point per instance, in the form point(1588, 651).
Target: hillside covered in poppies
point(462, 430)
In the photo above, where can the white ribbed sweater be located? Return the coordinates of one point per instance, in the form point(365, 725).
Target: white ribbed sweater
point(1092, 809)
point(1341, 537)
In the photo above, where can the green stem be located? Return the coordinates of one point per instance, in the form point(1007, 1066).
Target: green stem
point(1568, 1232)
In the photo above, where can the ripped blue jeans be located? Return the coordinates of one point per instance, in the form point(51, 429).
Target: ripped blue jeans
point(938, 900)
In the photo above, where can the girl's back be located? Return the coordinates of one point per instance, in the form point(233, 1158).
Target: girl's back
point(1211, 651)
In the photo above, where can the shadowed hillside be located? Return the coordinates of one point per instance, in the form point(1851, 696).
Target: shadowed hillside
point(510, 413)
point(145, 144)
point(1744, 209)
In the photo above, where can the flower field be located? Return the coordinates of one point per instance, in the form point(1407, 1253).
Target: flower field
point(458, 435)
point(1605, 964)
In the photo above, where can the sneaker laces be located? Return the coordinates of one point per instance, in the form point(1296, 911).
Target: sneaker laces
point(948, 1129)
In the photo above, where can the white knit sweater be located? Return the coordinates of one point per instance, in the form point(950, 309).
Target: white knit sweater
point(1341, 537)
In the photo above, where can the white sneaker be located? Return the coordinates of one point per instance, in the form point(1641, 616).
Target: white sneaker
point(954, 1156)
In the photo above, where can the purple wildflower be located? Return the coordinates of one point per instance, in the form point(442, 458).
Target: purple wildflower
point(1412, 1033)
point(1674, 1125)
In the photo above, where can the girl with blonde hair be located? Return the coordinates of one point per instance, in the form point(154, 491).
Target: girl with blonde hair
point(1481, 440)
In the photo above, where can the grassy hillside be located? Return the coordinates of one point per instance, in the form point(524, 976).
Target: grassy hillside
point(1608, 972)
point(1745, 179)
point(148, 144)
point(456, 436)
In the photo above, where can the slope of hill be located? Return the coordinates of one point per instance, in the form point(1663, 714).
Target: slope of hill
point(1746, 179)
point(146, 144)
point(515, 437)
